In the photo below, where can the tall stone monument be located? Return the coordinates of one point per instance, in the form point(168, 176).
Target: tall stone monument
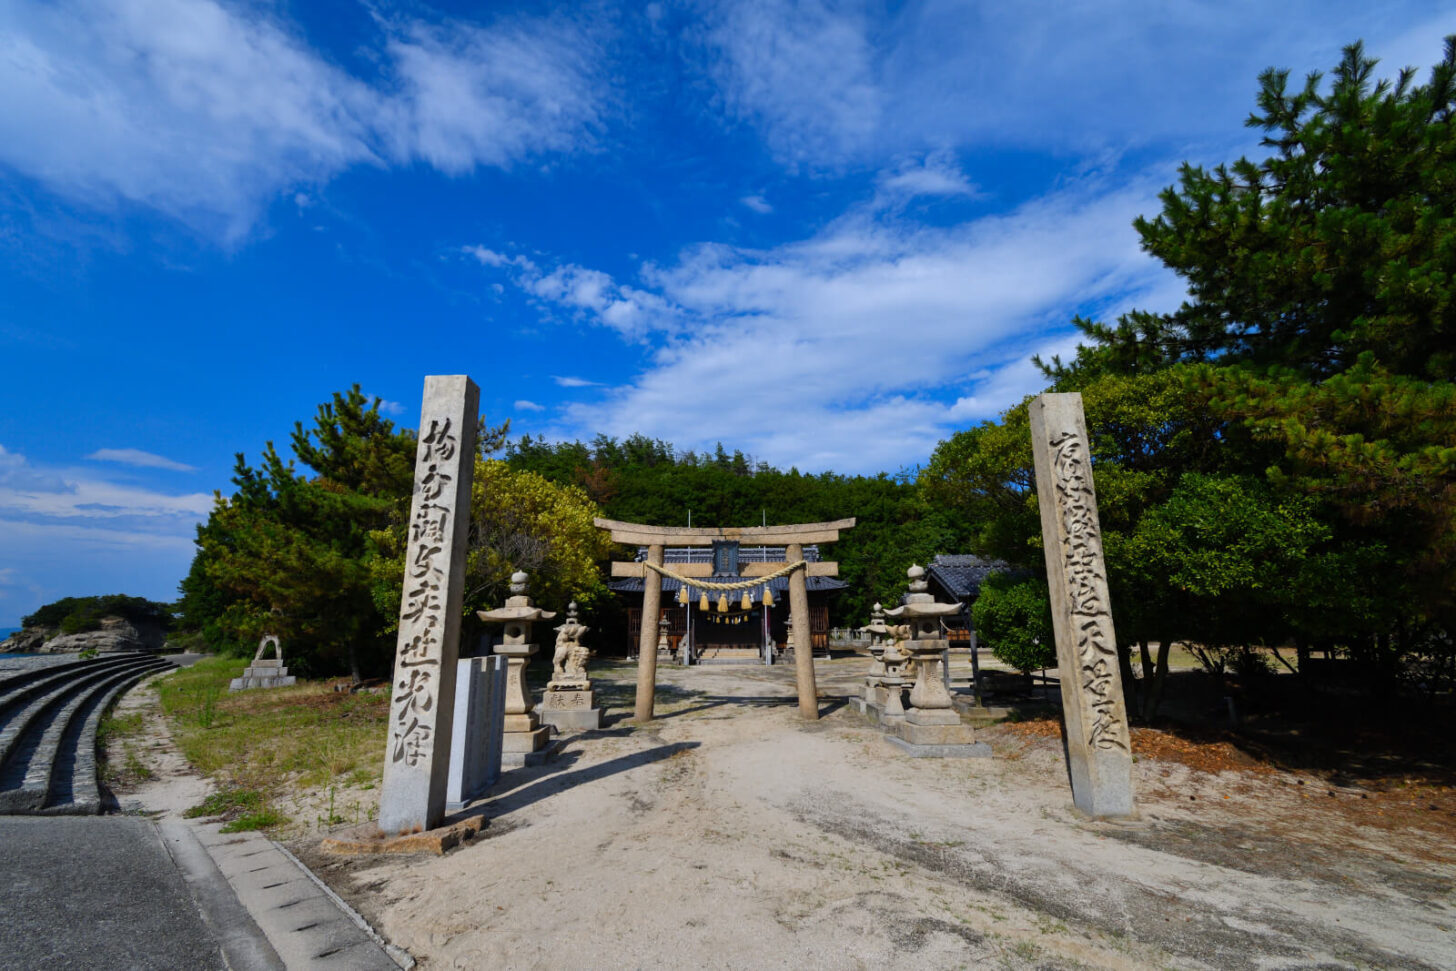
point(1099, 747)
point(421, 708)
point(524, 736)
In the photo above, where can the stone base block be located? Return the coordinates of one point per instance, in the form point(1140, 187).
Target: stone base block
point(524, 742)
point(565, 699)
point(932, 716)
point(246, 683)
point(572, 720)
point(515, 760)
point(976, 750)
point(956, 734)
point(521, 724)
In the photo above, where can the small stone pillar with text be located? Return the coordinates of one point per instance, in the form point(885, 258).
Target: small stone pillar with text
point(1099, 746)
point(422, 696)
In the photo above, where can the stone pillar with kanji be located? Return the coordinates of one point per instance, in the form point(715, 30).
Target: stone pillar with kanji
point(1099, 746)
point(422, 696)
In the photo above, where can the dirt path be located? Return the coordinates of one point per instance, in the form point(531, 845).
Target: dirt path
point(731, 835)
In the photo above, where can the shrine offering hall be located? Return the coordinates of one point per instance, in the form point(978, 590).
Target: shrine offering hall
point(747, 625)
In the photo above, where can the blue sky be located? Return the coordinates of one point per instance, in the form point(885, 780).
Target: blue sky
point(826, 234)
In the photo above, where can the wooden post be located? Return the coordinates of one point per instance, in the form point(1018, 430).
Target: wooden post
point(803, 636)
point(647, 641)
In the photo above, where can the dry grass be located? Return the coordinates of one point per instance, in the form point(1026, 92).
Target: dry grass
point(294, 741)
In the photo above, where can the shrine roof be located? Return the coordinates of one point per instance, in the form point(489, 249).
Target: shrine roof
point(961, 575)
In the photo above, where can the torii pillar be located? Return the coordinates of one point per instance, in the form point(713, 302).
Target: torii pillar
point(792, 538)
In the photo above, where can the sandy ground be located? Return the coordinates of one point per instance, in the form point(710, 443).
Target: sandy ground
point(173, 786)
point(730, 834)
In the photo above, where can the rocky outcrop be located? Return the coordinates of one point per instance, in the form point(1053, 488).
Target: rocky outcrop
point(27, 641)
point(115, 634)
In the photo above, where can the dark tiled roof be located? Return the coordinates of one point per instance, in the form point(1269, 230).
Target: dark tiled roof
point(961, 575)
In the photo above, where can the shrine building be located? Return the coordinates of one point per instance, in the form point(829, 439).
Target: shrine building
point(755, 633)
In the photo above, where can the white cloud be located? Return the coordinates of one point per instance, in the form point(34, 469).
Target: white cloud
point(206, 110)
point(26, 490)
point(135, 456)
point(830, 85)
point(801, 71)
point(524, 405)
point(565, 381)
point(861, 347)
point(18, 474)
point(758, 204)
point(582, 292)
point(937, 174)
point(491, 96)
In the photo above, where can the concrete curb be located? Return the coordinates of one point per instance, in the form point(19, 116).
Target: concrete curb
point(244, 945)
point(307, 925)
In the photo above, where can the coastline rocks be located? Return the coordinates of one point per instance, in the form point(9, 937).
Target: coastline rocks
point(115, 634)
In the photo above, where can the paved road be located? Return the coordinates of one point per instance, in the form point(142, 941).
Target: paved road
point(96, 892)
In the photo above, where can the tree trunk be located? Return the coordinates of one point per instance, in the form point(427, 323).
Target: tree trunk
point(1130, 686)
point(1154, 694)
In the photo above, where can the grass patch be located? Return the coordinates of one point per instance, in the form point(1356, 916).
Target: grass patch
point(263, 819)
point(227, 802)
point(116, 757)
point(306, 736)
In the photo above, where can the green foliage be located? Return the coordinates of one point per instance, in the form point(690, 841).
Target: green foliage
point(317, 559)
point(519, 520)
point(1014, 618)
point(75, 615)
point(1275, 460)
point(645, 480)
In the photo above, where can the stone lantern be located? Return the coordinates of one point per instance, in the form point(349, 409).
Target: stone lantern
point(524, 734)
point(931, 725)
point(874, 693)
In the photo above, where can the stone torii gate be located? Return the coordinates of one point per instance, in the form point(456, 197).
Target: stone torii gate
point(657, 538)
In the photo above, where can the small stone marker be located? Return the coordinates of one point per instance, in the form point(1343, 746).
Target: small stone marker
point(421, 709)
point(1099, 752)
point(475, 743)
point(264, 673)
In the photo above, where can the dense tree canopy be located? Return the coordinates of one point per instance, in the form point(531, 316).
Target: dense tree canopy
point(645, 480)
point(315, 558)
point(1276, 459)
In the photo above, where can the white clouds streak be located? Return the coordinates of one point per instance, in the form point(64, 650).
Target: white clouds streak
point(836, 84)
point(206, 110)
point(135, 456)
point(582, 292)
point(801, 71)
point(861, 347)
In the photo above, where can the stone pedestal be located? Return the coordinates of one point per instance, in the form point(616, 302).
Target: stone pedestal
point(262, 674)
point(269, 673)
point(570, 706)
point(523, 733)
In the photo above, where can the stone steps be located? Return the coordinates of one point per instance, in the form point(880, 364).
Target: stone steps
point(48, 733)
